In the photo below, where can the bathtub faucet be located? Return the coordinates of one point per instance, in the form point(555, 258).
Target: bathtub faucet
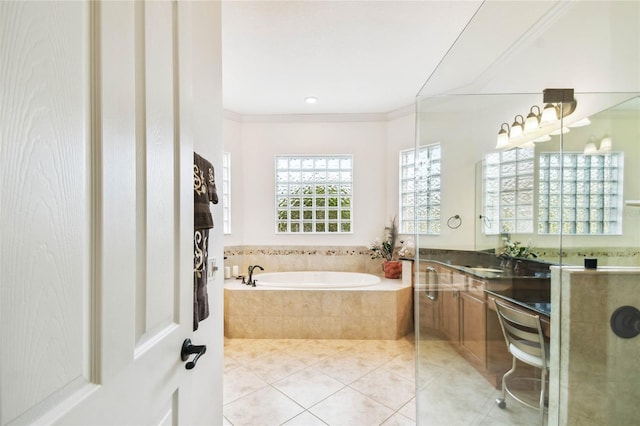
point(251, 269)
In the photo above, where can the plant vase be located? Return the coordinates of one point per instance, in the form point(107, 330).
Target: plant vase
point(392, 269)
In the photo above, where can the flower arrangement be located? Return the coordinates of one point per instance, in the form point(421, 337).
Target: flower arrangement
point(514, 249)
point(385, 248)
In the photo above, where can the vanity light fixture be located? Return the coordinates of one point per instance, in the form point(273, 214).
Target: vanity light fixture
point(605, 145)
point(549, 114)
point(591, 149)
point(517, 128)
point(533, 120)
point(311, 99)
point(558, 103)
point(503, 136)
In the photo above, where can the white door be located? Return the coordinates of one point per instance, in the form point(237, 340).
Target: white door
point(96, 214)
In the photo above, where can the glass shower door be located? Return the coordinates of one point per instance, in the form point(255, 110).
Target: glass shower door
point(519, 221)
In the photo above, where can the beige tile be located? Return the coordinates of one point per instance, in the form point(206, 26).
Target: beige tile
point(267, 407)
point(308, 386)
point(347, 368)
point(312, 303)
point(352, 304)
point(331, 304)
point(292, 304)
point(305, 419)
point(349, 407)
point(240, 382)
point(386, 388)
point(404, 365)
point(249, 350)
point(273, 327)
point(409, 409)
point(292, 327)
point(273, 303)
point(399, 420)
point(275, 366)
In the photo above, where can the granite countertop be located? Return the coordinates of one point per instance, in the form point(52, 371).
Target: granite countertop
point(496, 272)
point(527, 288)
point(542, 307)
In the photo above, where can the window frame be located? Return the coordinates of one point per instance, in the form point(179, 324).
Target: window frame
point(320, 206)
point(501, 206)
point(409, 190)
point(567, 183)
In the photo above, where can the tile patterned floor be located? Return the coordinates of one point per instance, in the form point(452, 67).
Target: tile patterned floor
point(356, 383)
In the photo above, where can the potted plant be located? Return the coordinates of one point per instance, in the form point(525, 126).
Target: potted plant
point(386, 249)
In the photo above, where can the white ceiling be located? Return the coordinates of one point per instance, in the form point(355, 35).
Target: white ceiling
point(354, 56)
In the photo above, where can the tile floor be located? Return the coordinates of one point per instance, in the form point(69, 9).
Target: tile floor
point(356, 383)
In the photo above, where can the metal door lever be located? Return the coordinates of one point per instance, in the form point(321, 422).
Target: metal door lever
point(188, 349)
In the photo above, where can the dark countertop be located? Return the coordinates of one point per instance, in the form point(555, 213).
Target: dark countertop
point(525, 287)
point(541, 307)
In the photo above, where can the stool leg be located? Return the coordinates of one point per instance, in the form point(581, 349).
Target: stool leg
point(502, 401)
point(543, 386)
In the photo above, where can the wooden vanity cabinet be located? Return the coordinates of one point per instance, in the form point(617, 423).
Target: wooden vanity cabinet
point(462, 314)
point(451, 313)
point(452, 286)
point(473, 322)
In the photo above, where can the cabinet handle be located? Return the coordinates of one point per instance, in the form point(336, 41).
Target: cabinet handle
point(429, 292)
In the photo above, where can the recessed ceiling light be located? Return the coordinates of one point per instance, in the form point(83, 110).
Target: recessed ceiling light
point(311, 100)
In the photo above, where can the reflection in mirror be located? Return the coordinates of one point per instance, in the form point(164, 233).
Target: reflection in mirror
point(582, 188)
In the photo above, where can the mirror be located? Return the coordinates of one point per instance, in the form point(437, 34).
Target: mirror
point(527, 195)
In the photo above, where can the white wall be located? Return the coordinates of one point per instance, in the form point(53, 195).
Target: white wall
point(253, 144)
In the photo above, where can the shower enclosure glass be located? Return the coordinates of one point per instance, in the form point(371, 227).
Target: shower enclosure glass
point(518, 219)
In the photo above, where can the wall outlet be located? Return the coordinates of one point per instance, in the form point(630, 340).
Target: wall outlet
point(211, 267)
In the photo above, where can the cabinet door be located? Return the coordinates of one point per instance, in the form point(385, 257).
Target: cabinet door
point(427, 295)
point(450, 313)
point(473, 331)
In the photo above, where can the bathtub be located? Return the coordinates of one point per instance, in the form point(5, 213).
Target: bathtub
point(318, 305)
point(315, 280)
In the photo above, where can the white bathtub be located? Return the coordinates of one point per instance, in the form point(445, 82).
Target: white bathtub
point(317, 305)
point(315, 280)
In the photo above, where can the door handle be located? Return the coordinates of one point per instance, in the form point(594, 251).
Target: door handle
point(188, 349)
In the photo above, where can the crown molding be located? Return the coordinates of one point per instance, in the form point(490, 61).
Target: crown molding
point(319, 118)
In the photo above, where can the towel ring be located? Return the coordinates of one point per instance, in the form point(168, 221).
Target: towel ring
point(454, 222)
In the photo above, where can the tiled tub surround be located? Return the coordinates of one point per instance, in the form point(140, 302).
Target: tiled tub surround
point(382, 312)
point(303, 258)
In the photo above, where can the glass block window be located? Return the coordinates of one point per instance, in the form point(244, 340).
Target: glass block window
point(314, 194)
point(580, 194)
point(508, 179)
point(226, 193)
point(420, 190)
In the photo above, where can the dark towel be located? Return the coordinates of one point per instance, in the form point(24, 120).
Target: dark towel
point(200, 295)
point(204, 192)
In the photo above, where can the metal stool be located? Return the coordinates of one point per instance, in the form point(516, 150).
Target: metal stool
point(525, 342)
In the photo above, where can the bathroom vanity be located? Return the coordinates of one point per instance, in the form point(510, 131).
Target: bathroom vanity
point(457, 304)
